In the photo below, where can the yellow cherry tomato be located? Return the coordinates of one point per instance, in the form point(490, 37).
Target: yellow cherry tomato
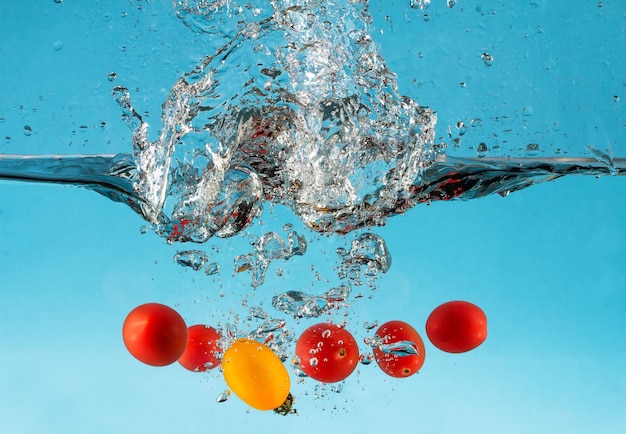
point(255, 374)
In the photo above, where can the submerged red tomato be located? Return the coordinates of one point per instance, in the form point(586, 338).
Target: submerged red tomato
point(402, 353)
point(457, 326)
point(327, 352)
point(203, 346)
point(155, 334)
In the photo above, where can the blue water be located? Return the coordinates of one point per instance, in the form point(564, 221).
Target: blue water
point(546, 264)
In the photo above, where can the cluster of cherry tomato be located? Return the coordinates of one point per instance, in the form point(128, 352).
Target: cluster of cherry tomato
point(157, 335)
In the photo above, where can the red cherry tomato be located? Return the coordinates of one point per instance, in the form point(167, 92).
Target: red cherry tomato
point(457, 326)
point(203, 346)
point(327, 353)
point(402, 353)
point(155, 334)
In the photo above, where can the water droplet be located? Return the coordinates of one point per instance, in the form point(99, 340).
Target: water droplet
point(58, 1)
point(143, 229)
point(366, 359)
point(194, 259)
point(212, 269)
point(373, 341)
point(58, 45)
point(112, 76)
point(287, 227)
point(532, 149)
point(463, 84)
point(370, 325)
point(420, 4)
point(487, 59)
point(482, 150)
point(326, 334)
point(313, 361)
point(223, 397)
point(451, 3)
point(27, 130)
point(460, 125)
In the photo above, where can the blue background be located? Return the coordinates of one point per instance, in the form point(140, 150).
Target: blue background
point(546, 264)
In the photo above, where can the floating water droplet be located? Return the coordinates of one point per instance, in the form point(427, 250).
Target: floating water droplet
point(420, 4)
point(194, 259)
point(482, 150)
point(366, 359)
point(212, 269)
point(532, 149)
point(223, 397)
point(112, 76)
point(258, 312)
point(460, 125)
point(243, 263)
point(370, 325)
point(28, 131)
point(373, 341)
point(487, 59)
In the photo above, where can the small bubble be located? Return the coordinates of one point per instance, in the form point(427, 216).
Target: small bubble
point(313, 361)
point(420, 4)
point(600, 4)
point(451, 3)
point(58, 45)
point(532, 149)
point(223, 397)
point(326, 334)
point(28, 130)
point(58, 1)
point(143, 229)
point(487, 59)
point(287, 227)
point(124, 14)
point(366, 359)
point(463, 84)
point(482, 150)
point(112, 76)
point(460, 125)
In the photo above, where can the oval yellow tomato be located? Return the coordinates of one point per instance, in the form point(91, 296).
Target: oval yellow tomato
point(255, 374)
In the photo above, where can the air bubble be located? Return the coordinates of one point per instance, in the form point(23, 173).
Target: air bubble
point(532, 149)
point(143, 229)
point(313, 361)
point(58, 45)
point(112, 76)
point(487, 59)
point(420, 4)
point(223, 397)
point(451, 3)
point(28, 131)
point(482, 150)
point(326, 334)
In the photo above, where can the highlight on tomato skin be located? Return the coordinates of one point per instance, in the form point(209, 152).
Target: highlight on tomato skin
point(327, 353)
point(457, 326)
point(256, 375)
point(155, 334)
point(402, 353)
point(203, 349)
